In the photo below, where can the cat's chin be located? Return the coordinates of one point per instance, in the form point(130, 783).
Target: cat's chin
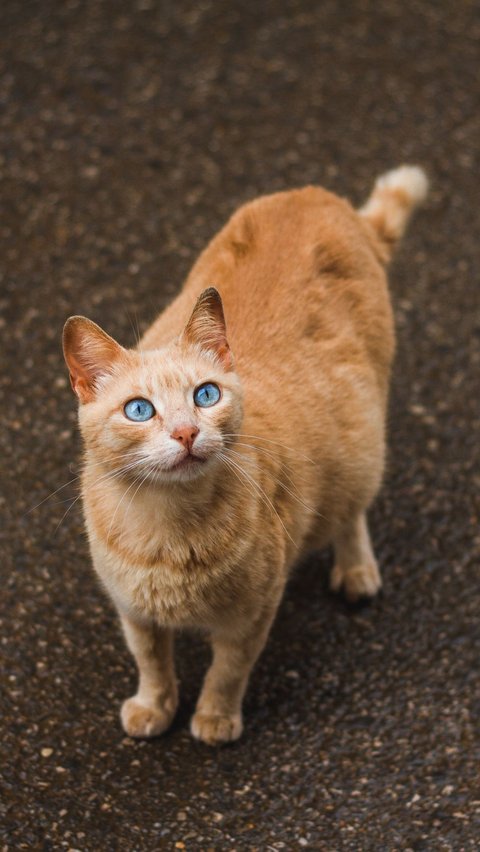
point(184, 470)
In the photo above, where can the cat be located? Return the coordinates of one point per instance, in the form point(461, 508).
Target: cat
point(246, 428)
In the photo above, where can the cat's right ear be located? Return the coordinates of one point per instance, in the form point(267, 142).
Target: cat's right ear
point(90, 353)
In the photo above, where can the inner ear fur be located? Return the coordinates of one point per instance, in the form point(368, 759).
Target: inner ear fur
point(90, 353)
point(206, 327)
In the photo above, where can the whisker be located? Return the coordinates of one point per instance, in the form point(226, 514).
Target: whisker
point(78, 476)
point(65, 514)
point(272, 455)
point(270, 441)
point(234, 469)
point(49, 496)
point(260, 491)
point(111, 459)
point(136, 479)
point(281, 484)
point(148, 473)
point(135, 326)
point(108, 475)
point(118, 472)
point(112, 521)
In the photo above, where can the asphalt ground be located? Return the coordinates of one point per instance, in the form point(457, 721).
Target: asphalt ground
point(129, 132)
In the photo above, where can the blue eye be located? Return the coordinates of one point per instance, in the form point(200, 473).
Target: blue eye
point(139, 410)
point(206, 395)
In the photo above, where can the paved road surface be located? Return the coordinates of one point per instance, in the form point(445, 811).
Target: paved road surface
point(130, 130)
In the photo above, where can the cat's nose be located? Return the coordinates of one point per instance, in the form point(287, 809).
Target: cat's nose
point(185, 435)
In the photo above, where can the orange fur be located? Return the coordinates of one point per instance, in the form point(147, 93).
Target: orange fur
point(292, 454)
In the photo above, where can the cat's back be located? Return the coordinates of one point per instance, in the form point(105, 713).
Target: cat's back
point(300, 267)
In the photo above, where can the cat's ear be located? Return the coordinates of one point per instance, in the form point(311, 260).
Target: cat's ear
point(90, 353)
point(206, 327)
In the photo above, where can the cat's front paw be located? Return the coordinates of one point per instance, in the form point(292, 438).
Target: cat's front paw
point(214, 730)
point(360, 581)
point(141, 720)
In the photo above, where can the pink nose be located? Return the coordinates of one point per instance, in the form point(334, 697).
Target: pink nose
point(185, 435)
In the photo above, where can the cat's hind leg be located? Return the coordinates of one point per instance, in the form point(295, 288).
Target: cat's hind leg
point(151, 710)
point(356, 571)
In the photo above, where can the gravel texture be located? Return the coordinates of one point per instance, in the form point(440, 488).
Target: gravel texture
point(129, 131)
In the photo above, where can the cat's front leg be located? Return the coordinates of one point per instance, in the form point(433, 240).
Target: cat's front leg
point(151, 710)
point(218, 714)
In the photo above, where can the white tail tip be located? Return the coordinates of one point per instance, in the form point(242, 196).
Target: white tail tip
point(411, 180)
point(393, 200)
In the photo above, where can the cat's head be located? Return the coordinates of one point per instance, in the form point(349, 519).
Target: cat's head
point(162, 414)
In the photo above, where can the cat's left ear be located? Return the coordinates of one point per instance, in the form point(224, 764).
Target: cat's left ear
point(90, 353)
point(206, 327)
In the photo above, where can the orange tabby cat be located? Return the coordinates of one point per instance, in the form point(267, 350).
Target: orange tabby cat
point(218, 452)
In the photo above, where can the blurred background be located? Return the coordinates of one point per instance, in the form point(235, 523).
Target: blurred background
point(129, 131)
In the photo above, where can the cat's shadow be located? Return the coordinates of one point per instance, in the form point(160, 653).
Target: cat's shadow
point(303, 664)
point(307, 625)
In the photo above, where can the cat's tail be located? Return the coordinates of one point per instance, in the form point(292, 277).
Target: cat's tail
point(392, 202)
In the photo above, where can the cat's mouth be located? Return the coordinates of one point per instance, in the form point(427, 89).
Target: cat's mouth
point(186, 462)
